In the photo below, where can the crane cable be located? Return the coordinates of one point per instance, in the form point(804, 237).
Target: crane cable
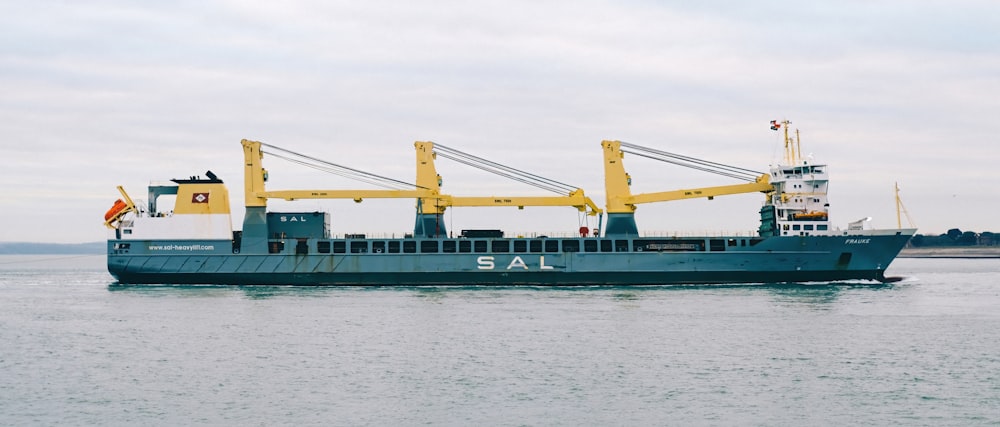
point(692, 162)
point(504, 170)
point(340, 170)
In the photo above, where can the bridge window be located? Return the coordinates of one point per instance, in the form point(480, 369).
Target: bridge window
point(480, 246)
point(409, 246)
point(535, 245)
point(520, 246)
point(551, 246)
point(339, 247)
point(394, 247)
point(501, 246)
point(323, 247)
point(429, 246)
point(359, 247)
point(571, 245)
point(621, 245)
point(590, 245)
point(464, 246)
point(607, 246)
point(378, 247)
point(448, 246)
point(716, 245)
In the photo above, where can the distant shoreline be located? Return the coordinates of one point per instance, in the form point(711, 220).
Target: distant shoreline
point(952, 252)
point(35, 248)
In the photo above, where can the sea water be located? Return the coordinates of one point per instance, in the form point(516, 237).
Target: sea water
point(76, 349)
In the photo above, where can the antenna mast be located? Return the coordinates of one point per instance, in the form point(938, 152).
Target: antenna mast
point(793, 149)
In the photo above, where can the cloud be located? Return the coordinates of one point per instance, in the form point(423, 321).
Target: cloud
point(119, 92)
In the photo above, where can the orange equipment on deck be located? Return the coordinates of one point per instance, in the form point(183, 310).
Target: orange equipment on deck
point(119, 206)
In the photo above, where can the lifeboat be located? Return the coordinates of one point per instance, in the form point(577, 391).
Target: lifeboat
point(810, 216)
point(115, 210)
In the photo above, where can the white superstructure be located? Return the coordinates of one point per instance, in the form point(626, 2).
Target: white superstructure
point(800, 205)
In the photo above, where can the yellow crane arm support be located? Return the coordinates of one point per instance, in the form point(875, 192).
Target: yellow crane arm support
point(254, 174)
point(427, 177)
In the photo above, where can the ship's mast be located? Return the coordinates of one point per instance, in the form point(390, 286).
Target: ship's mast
point(899, 204)
point(901, 208)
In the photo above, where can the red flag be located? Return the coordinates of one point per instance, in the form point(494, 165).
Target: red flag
point(775, 125)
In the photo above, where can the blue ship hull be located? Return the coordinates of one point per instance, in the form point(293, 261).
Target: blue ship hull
point(509, 262)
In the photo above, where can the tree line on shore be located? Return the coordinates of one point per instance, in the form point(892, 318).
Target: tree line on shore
point(956, 237)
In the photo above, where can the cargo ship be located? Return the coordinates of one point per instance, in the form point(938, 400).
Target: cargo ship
point(193, 242)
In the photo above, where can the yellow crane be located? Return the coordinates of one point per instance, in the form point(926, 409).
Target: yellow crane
point(430, 209)
point(621, 203)
point(431, 204)
point(256, 195)
point(255, 176)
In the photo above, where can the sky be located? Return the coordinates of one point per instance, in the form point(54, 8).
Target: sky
point(103, 93)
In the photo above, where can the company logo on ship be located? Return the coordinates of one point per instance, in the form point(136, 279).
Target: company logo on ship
point(489, 263)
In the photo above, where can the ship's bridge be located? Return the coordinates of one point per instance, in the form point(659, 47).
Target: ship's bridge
point(200, 211)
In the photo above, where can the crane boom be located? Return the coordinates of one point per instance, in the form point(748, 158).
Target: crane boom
point(578, 200)
point(763, 185)
point(356, 195)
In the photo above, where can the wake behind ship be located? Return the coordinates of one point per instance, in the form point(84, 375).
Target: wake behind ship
point(194, 242)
